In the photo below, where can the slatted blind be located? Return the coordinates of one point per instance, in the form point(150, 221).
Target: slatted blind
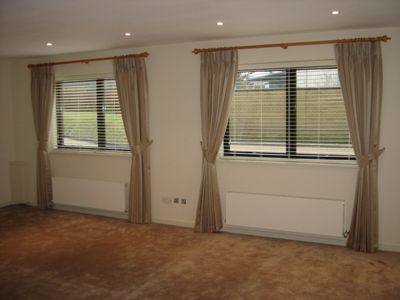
point(288, 112)
point(88, 115)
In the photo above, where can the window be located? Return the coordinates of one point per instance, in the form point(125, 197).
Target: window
point(89, 116)
point(289, 113)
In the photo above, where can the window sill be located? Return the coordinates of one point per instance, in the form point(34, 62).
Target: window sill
point(291, 162)
point(121, 154)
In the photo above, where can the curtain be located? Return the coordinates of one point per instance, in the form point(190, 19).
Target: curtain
point(218, 75)
point(360, 74)
point(131, 80)
point(42, 96)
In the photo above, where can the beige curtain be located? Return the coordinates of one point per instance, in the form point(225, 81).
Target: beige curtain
point(218, 75)
point(42, 96)
point(360, 73)
point(131, 79)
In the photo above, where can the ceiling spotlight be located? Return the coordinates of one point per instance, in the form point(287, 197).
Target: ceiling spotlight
point(219, 23)
point(48, 44)
point(127, 34)
point(335, 12)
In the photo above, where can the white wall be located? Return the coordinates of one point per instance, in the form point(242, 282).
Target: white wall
point(6, 131)
point(175, 128)
point(24, 131)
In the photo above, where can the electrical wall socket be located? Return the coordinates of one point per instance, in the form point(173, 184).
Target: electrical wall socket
point(176, 200)
point(183, 201)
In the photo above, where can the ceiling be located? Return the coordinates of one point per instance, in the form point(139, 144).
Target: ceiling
point(86, 25)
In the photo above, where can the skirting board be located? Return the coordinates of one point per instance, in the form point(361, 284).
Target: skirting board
point(92, 211)
point(185, 224)
point(8, 203)
point(294, 236)
point(300, 237)
point(115, 214)
point(389, 247)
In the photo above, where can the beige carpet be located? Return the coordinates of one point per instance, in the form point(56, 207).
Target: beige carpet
point(61, 255)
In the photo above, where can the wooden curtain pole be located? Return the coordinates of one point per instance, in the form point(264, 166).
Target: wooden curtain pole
point(86, 61)
point(383, 38)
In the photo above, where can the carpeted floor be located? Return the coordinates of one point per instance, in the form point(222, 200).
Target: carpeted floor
point(62, 255)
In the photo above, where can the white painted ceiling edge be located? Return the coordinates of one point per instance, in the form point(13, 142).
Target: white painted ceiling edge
point(88, 25)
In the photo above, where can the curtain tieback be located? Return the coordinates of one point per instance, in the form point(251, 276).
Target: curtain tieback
point(42, 145)
point(209, 157)
point(364, 160)
point(138, 148)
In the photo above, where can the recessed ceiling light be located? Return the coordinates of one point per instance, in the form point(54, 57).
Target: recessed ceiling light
point(335, 12)
point(127, 34)
point(219, 23)
point(48, 44)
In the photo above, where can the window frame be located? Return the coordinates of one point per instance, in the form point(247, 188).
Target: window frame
point(290, 118)
point(100, 117)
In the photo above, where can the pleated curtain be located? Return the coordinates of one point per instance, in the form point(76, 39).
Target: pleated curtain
point(42, 97)
point(131, 80)
point(360, 74)
point(218, 74)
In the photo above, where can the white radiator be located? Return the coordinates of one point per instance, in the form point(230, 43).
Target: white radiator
point(85, 193)
point(323, 217)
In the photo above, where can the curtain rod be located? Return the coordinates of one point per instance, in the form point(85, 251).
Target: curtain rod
point(383, 38)
point(86, 61)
